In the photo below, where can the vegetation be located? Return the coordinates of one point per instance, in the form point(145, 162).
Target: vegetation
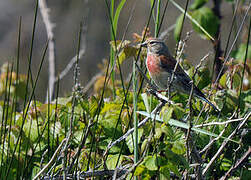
point(124, 129)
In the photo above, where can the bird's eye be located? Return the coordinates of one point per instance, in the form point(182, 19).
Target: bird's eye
point(152, 42)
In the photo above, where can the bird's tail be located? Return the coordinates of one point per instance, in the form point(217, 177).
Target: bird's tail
point(208, 102)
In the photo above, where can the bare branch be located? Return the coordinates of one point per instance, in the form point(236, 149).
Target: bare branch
point(225, 143)
point(91, 82)
point(220, 123)
point(88, 174)
point(51, 160)
point(83, 47)
point(44, 10)
point(237, 164)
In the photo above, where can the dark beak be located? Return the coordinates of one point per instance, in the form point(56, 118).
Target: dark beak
point(144, 44)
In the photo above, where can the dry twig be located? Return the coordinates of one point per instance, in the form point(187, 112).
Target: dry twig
point(51, 160)
point(225, 143)
point(51, 46)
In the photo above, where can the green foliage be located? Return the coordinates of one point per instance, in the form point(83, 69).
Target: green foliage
point(30, 135)
point(10, 80)
point(240, 53)
point(204, 21)
point(166, 150)
point(206, 18)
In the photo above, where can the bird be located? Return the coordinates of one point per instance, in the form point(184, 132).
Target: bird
point(161, 66)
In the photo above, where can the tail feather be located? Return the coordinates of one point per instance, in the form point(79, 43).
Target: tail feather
point(208, 102)
point(201, 96)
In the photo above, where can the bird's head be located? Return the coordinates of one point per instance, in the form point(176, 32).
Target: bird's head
point(155, 46)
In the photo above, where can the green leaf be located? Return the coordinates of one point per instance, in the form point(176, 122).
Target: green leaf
point(192, 19)
point(178, 111)
point(112, 160)
point(167, 130)
point(245, 102)
point(175, 159)
point(203, 78)
point(167, 114)
point(143, 145)
point(236, 81)
point(246, 96)
point(179, 147)
point(127, 52)
point(174, 169)
point(240, 55)
point(31, 130)
point(223, 80)
point(197, 4)
point(63, 101)
point(150, 163)
point(129, 139)
point(164, 172)
point(178, 27)
point(206, 18)
point(117, 13)
point(139, 170)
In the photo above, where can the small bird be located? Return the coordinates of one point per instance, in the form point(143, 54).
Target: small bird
point(161, 65)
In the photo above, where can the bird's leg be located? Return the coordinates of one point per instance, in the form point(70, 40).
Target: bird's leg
point(161, 91)
point(155, 93)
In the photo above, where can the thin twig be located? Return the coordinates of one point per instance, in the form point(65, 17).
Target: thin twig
point(166, 32)
point(91, 82)
point(207, 147)
point(90, 124)
point(219, 123)
point(71, 63)
point(180, 49)
point(158, 107)
point(237, 164)
point(231, 48)
point(88, 174)
point(225, 142)
point(42, 158)
point(51, 161)
point(83, 46)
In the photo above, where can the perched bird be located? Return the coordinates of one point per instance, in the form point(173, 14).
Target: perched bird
point(161, 65)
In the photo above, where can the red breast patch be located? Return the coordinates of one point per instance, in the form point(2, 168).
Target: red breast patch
point(152, 63)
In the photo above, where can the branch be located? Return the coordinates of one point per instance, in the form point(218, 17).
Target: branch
point(51, 161)
point(44, 10)
point(91, 82)
point(88, 174)
point(225, 143)
point(238, 163)
point(130, 131)
point(90, 124)
point(83, 46)
point(71, 63)
point(219, 123)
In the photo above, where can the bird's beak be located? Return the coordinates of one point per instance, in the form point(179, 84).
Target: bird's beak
point(144, 44)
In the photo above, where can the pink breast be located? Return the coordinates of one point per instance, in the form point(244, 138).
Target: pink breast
point(152, 64)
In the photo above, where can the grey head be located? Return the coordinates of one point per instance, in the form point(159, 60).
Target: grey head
point(155, 46)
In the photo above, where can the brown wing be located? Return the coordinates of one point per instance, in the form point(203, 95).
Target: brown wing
point(168, 64)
